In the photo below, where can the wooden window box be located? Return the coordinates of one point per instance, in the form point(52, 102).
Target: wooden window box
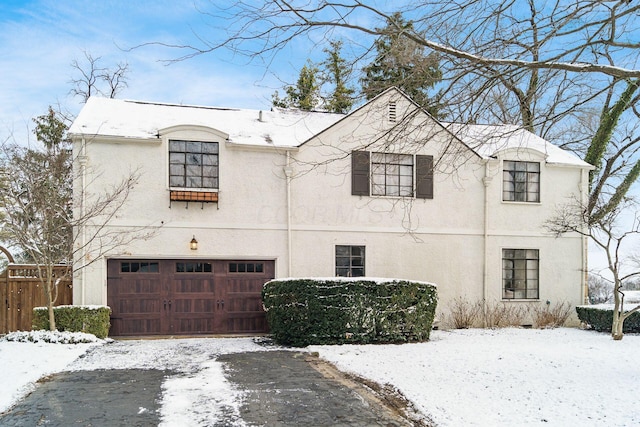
point(193, 196)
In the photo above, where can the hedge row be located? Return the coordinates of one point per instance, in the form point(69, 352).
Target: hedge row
point(601, 319)
point(75, 318)
point(301, 312)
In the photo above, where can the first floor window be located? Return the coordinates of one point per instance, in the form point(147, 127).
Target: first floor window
point(521, 181)
point(349, 261)
point(193, 164)
point(520, 269)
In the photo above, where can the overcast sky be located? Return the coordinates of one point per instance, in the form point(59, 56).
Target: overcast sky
point(40, 38)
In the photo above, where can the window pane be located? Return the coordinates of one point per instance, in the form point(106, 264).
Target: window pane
point(176, 158)
point(209, 159)
point(194, 182)
point(177, 146)
point(194, 147)
point(194, 171)
point(194, 159)
point(177, 181)
point(343, 250)
point(210, 147)
point(343, 261)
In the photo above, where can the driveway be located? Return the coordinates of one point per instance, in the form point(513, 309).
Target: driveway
point(203, 382)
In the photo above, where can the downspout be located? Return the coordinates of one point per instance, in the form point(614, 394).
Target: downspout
point(83, 172)
point(485, 238)
point(288, 172)
point(584, 174)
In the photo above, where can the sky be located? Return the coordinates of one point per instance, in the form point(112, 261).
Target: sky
point(39, 39)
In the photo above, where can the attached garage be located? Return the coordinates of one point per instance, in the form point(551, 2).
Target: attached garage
point(186, 297)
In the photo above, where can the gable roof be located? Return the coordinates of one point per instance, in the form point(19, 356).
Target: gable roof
point(285, 128)
point(145, 120)
point(489, 140)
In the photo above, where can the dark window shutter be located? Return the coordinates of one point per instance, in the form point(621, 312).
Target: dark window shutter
point(424, 177)
point(360, 173)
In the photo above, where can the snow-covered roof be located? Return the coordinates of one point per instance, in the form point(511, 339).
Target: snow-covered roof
point(279, 127)
point(488, 140)
point(136, 119)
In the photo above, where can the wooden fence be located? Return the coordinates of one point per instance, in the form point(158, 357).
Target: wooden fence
point(21, 291)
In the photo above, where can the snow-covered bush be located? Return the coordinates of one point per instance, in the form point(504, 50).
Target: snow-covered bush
point(75, 318)
point(301, 312)
point(54, 337)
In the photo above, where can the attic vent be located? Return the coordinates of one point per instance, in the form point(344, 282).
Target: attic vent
point(392, 112)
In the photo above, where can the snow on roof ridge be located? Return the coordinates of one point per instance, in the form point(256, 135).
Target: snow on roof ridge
point(171, 104)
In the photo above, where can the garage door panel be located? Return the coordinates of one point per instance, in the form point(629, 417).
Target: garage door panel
point(151, 297)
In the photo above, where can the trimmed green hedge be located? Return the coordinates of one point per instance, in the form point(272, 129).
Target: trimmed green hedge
point(75, 318)
point(601, 319)
point(302, 312)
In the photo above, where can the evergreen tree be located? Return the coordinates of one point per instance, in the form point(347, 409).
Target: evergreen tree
point(305, 95)
point(341, 98)
point(402, 62)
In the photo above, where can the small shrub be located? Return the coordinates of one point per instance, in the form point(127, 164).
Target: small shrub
point(545, 316)
point(301, 312)
point(75, 318)
point(463, 314)
point(600, 318)
point(502, 315)
point(52, 337)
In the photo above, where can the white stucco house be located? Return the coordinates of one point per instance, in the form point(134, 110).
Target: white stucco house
point(236, 197)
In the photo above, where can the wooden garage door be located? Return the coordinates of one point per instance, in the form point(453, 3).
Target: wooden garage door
point(185, 297)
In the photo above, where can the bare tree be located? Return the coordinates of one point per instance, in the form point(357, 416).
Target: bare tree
point(94, 79)
point(36, 199)
point(600, 289)
point(609, 235)
point(550, 67)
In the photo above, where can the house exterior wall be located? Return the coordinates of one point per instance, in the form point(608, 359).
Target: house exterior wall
point(454, 240)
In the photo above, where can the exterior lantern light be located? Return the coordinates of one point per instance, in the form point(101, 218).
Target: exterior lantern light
point(193, 244)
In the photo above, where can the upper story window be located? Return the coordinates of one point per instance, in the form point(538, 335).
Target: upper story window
point(387, 174)
point(193, 164)
point(521, 181)
point(392, 174)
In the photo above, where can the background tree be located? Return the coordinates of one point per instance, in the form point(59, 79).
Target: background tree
point(400, 61)
point(92, 79)
point(337, 71)
point(305, 95)
point(38, 206)
point(600, 289)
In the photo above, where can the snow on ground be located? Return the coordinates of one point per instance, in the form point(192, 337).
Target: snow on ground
point(470, 377)
point(198, 393)
point(508, 377)
point(24, 363)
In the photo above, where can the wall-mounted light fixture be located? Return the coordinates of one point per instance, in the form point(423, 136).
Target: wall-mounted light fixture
point(193, 244)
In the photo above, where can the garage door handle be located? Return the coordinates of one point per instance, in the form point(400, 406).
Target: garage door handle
point(165, 304)
point(220, 303)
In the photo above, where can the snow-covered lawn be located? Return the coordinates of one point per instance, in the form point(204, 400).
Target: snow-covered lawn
point(506, 377)
point(479, 377)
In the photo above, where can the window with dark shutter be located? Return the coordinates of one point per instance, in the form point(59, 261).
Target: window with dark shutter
point(424, 177)
point(360, 165)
